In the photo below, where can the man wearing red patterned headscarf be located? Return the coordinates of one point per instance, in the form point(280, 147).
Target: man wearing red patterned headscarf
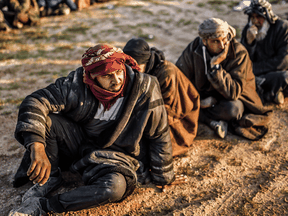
point(105, 72)
point(106, 121)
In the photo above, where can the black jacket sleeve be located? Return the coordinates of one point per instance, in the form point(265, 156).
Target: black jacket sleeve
point(157, 133)
point(64, 95)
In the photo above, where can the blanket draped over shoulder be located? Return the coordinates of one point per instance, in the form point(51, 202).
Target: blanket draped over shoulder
point(181, 101)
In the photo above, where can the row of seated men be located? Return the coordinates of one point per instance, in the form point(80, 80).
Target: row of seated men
point(121, 117)
point(28, 12)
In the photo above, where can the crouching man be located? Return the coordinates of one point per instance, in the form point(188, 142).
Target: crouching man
point(106, 121)
point(221, 70)
point(181, 99)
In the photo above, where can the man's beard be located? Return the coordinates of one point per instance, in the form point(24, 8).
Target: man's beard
point(263, 31)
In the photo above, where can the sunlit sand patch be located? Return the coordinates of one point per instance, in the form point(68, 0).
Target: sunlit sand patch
point(7, 81)
point(43, 46)
point(135, 3)
point(39, 61)
point(164, 2)
point(141, 3)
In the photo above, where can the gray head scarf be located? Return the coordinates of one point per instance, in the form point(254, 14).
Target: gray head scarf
point(214, 28)
point(263, 8)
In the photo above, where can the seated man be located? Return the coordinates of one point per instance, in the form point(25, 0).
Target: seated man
point(266, 38)
point(21, 12)
point(104, 121)
point(221, 70)
point(56, 7)
point(181, 99)
point(3, 23)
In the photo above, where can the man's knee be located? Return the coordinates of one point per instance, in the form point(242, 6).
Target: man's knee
point(235, 109)
point(118, 187)
point(113, 186)
point(285, 76)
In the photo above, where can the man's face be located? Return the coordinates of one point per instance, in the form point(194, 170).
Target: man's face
point(112, 81)
point(142, 68)
point(257, 20)
point(216, 45)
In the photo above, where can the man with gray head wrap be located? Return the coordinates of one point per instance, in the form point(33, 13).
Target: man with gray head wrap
point(221, 70)
point(266, 38)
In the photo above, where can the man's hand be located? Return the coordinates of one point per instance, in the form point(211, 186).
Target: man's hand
point(252, 32)
point(40, 168)
point(179, 179)
point(221, 56)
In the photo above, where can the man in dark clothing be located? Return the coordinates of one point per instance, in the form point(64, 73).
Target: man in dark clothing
point(56, 7)
point(181, 99)
point(105, 121)
point(221, 70)
point(21, 12)
point(3, 23)
point(266, 38)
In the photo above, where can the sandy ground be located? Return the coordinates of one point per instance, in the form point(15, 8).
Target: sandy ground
point(225, 177)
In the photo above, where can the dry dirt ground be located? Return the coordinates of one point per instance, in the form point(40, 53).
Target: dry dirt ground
point(225, 177)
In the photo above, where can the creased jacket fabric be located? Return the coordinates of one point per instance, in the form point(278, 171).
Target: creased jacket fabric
point(142, 131)
point(233, 80)
point(182, 103)
point(271, 53)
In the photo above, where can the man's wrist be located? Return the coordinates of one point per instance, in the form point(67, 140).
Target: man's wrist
point(215, 67)
point(36, 145)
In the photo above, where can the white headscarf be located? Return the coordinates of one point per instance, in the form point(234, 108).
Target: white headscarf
point(214, 28)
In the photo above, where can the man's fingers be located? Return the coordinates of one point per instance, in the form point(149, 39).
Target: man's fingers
point(46, 177)
point(31, 168)
point(226, 47)
point(40, 176)
point(35, 173)
point(181, 177)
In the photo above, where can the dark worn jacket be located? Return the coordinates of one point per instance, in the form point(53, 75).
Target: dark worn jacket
point(182, 103)
point(232, 81)
point(270, 54)
point(141, 132)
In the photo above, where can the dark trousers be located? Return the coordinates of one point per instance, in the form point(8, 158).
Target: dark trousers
point(274, 82)
point(64, 140)
point(108, 188)
point(54, 4)
point(223, 110)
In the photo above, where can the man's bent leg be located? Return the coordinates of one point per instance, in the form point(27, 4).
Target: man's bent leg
point(275, 83)
point(108, 188)
point(226, 110)
point(218, 115)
